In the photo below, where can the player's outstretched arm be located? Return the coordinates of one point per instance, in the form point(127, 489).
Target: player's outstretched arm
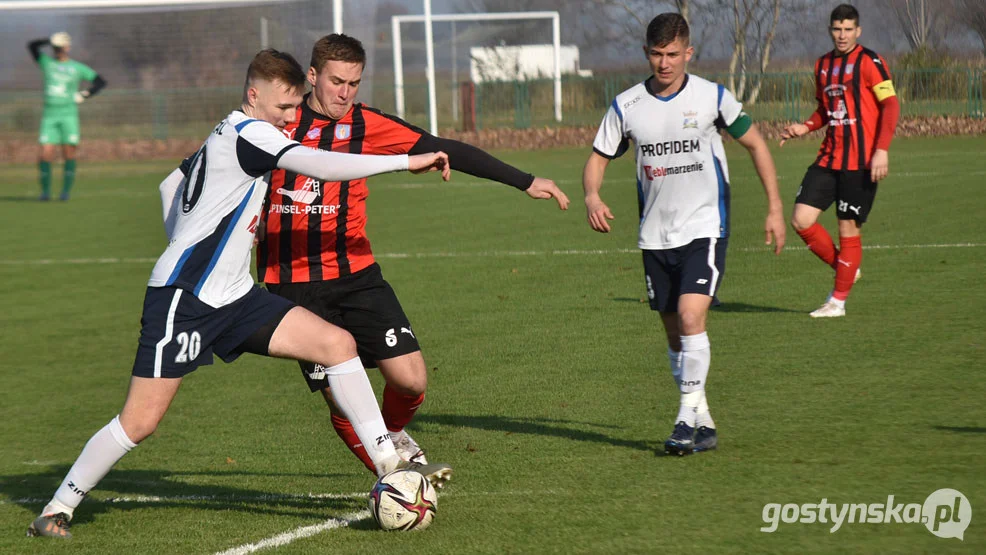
point(816, 121)
point(543, 188)
point(774, 229)
point(597, 212)
point(477, 162)
point(338, 166)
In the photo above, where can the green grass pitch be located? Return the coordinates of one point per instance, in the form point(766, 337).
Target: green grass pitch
point(549, 390)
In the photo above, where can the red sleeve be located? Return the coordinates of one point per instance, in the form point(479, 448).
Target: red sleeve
point(817, 119)
point(875, 71)
point(387, 134)
point(889, 114)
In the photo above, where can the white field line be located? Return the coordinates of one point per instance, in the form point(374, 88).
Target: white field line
point(330, 524)
point(139, 499)
point(478, 254)
point(298, 533)
point(279, 539)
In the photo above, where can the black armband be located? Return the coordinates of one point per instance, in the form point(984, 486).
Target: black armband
point(474, 161)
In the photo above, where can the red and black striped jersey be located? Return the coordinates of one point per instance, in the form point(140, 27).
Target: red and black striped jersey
point(316, 231)
point(849, 90)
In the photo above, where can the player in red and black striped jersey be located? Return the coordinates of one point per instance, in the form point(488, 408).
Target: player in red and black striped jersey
point(857, 103)
point(315, 250)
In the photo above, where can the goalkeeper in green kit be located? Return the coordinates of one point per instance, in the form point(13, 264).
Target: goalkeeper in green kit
point(60, 118)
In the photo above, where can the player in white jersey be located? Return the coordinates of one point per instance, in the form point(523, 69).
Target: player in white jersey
point(202, 300)
point(674, 120)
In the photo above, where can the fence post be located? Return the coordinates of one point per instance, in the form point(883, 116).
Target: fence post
point(979, 92)
point(478, 102)
point(975, 92)
point(160, 117)
point(522, 105)
point(467, 93)
point(788, 97)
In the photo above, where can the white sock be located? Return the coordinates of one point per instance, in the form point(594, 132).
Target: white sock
point(696, 356)
point(674, 359)
point(353, 394)
point(103, 450)
point(702, 415)
point(689, 404)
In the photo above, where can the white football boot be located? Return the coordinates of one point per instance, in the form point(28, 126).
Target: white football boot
point(407, 448)
point(831, 309)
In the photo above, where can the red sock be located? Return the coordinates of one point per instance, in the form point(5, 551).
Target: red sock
point(398, 408)
point(820, 242)
point(345, 430)
point(850, 255)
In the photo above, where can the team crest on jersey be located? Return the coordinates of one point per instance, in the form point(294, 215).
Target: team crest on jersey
point(314, 133)
point(343, 131)
point(849, 68)
point(835, 91)
point(835, 71)
point(690, 120)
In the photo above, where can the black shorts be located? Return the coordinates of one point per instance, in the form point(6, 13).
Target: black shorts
point(363, 304)
point(179, 332)
point(694, 268)
point(852, 191)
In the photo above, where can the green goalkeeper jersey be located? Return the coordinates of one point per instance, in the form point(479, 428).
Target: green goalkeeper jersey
point(62, 82)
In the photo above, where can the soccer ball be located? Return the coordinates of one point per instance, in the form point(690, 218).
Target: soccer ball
point(403, 500)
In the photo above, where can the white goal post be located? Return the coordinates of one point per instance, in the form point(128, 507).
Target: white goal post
point(395, 24)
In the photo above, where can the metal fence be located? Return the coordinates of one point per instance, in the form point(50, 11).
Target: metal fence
point(781, 97)
point(191, 112)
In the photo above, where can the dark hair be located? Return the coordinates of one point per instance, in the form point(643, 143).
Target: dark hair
point(339, 48)
point(273, 65)
point(665, 28)
point(843, 12)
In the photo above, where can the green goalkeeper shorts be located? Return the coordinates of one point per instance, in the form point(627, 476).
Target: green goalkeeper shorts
point(59, 129)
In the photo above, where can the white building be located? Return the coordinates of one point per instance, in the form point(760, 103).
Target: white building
point(523, 62)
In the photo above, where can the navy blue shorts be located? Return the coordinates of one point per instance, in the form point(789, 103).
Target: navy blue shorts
point(179, 332)
point(694, 268)
point(363, 304)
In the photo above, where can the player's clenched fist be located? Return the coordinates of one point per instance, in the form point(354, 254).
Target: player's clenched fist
point(432, 161)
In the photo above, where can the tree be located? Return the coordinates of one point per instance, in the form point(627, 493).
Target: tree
point(973, 16)
point(916, 20)
point(754, 26)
